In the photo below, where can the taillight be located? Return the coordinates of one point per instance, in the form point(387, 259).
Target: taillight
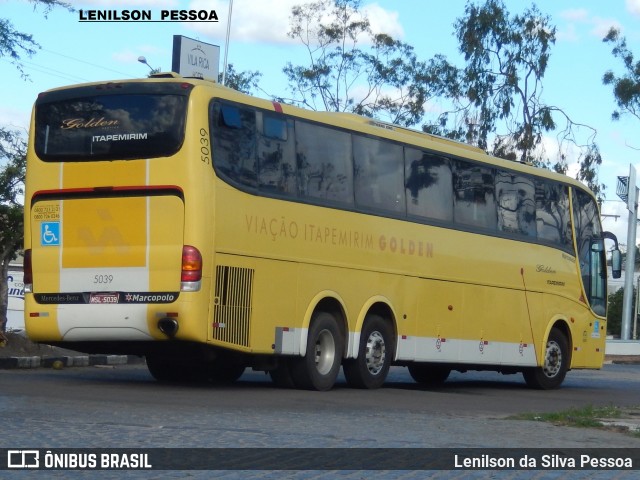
point(28, 272)
point(191, 269)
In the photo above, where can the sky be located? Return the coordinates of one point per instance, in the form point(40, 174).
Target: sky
point(75, 52)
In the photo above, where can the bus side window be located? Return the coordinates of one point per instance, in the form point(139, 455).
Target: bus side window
point(552, 214)
point(515, 195)
point(230, 117)
point(428, 185)
point(379, 175)
point(276, 155)
point(324, 162)
point(275, 128)
point(234, 143)
point(591, 252)
point(474, 201)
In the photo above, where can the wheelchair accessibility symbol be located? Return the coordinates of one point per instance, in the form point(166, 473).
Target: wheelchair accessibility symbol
point(50, 233)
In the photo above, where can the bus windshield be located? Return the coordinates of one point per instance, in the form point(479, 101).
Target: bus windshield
point(110, 126)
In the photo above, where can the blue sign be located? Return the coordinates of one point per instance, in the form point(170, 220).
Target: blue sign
point(50, 234)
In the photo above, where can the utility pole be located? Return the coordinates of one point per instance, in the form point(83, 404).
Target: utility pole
point(631, 197)
point(226, 45)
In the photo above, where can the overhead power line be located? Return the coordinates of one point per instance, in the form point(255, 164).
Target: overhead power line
point(46, 70)
point(88, 63)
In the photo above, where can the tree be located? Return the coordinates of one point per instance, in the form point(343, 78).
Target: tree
point(14, 44)
point(626, 88)
point(352, 69)
point(614, 311)
point(245, 82)
point(499, 91)
point(12, 156)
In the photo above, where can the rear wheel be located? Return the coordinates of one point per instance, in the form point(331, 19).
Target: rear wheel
point(165, 370)
point(375, 352)
point(429, 374)
point(556, 364)
point(168, 369)
point(319, 368)
point(281, 375)
point(224, 370)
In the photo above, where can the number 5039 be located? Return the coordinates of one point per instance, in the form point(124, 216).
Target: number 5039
point(102, 279)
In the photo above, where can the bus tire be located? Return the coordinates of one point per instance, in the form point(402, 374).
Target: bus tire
point(556, 364)
point(224, 371)
point(164, 370)
point(281, 375)
point(375, 353)
point(429, 374)
point(319, 368)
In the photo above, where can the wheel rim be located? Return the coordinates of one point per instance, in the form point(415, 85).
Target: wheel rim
point(553, 359)
point(325, 352)
point(375, 353)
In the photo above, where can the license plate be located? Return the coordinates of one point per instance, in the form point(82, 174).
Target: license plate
point(103, 298)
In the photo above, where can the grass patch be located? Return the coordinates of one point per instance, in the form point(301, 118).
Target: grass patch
point(586, 417)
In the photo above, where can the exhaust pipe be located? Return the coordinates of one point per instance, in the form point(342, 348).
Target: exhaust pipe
point(168, 326)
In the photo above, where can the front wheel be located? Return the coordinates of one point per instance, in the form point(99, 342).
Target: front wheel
point(319, 368)
point(375, 353)
point(556, 364)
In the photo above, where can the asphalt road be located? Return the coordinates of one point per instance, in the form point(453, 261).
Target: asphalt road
point(123, 407)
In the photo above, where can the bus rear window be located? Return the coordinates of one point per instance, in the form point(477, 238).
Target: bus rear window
point(110, 127)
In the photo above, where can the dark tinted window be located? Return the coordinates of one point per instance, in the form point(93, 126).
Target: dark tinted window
point(474, 195)
point(429, 183)
point(234, 143)
point(379, 174)
point(276, 155)
point(591, 254)
point(515, 195)
point(110, 127)
point(552, 214)
point(273, 153)
point(325, 169)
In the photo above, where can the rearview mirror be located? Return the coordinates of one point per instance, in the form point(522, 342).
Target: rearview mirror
point(616, 256)
point(616, 263)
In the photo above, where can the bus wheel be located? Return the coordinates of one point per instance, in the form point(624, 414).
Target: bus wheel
point(319, 368)
point(224, 371)
point(556, 363)
point(164, 370)
point(375, 352)
point(429, 374)
point(281, 375)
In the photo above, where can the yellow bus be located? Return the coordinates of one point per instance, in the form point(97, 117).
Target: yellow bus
point(211, 231)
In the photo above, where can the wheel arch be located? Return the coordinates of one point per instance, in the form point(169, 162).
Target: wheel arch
point(562, 324)
point(330, 302)
point(377, 305)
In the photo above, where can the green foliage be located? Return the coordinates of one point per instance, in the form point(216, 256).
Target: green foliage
point(506, 57)
point(626, 88)
point(586, 417)
point(614, 311)
point(497, 98)
point(245, 82)
point(352, 69)
point(13, 149)
point(14, 44)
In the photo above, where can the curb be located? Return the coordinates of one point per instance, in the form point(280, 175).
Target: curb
point(622, 359)
point(7, 363)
